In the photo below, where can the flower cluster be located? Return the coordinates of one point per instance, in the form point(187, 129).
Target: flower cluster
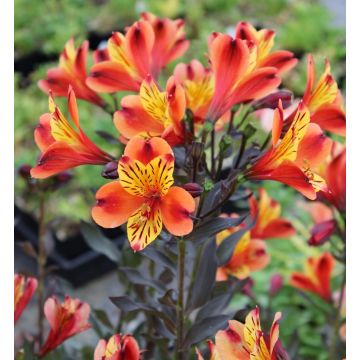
point(189, 142)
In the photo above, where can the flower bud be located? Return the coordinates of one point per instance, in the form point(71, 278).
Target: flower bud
point(276, 283)
point(247, 288)
point(24, 171)
point(63, 178)
point(271, 101)
point(321, 232)
point(110, 170)
point(197, 150)
point(193, 189)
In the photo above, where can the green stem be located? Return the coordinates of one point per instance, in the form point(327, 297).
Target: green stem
point(180, 300)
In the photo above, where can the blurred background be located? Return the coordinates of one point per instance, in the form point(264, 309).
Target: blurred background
point(41, 29)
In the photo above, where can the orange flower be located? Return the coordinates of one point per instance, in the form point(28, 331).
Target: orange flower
point(117, 347)
point(335, 176)
point(264, 40)
point(325, 224)
point(248, 341)
point(249, 255)
point(64, 145)
point(317, 276)
point(153, 112)
point(71, 72)
point(324, 100)
point(24, 289)
point(66, 320)
point(290, 159)
point(148, 46)
point(236, 77)
point(144, 196)
point(269, 224)
point(198, 83)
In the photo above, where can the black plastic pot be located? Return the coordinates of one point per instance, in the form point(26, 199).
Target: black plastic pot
point(73, 259)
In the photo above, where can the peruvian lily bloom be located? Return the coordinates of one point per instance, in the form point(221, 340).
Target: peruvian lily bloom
point(147, 47)
point(335, 176)
point(268, 224)
point(323, 100)
point(249, 255)
point(144, 196)
point(264, 40)
point(117, 347)
point(248, 341)
point(291, 159)
point(317, 276)
point(24, 288)
point(66, 320)
point(153, 112)
point(64, 145)
point(198, 83)
point(325, 224)
point(236, 77)
point(71, 72)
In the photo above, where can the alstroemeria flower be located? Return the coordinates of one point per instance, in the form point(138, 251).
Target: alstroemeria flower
point(249, 255)
point(153, 112)
point(268, 224)
point(291, 159)
point(317, 276)
point(118, 347)
point(323, 100)
point(248, 341)
point(264, 40)
point(335, 176)
point(236, 77)
point(148, 46)
point(198, 83)
point(325, 224)
point(66, 320)
point(64, 145)
point(144, 196)
point(24, 288)
point(71, 72)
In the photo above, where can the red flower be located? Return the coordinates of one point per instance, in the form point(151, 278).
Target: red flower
point(268, 224)
point(290, 160)
point(66, 320)
point(118, 347)
point(247, 341)
point(236, 77)
point(264, 40)
point(144, 196)
point(71, 72)
point(148, 46)
point(64, 145)
point(317, 276)
point(24, 289)
point(153, 112)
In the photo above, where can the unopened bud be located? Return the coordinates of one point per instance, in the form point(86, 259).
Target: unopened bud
point(24, 171)
point(321, 232)
point(208, 185)
point(276, 283)
point(110, 170)
point(63, 177)
point(197, 150)
point(225, 142)
point(208, 126)
point(193, 189)
point(247, 288)
point(271, 101)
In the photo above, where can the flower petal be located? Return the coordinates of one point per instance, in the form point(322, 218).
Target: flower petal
point(176, 207)
point(146, 150)
point(114, 205)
